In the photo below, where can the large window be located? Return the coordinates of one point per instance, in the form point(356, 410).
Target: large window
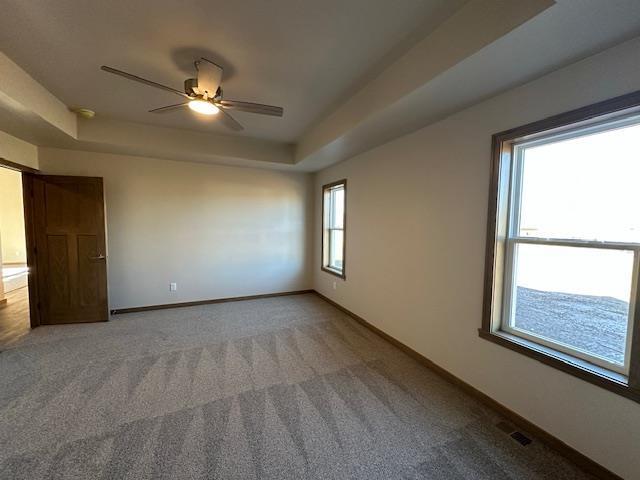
point(334, 198)
point(564, 250)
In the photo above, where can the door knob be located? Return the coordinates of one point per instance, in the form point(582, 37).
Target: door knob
point(99, 257)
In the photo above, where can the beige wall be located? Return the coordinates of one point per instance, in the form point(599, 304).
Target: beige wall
point(416, 226)
point(18, 151)
point(216, 231)
point(2, 289)
point(12, 217)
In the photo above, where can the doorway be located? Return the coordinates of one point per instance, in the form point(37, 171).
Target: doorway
point(14, 292)
point(56, 270)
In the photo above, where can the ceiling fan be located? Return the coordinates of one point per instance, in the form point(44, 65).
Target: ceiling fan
point(204, 94)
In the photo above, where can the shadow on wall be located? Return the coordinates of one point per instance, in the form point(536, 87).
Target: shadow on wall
point(215, 231)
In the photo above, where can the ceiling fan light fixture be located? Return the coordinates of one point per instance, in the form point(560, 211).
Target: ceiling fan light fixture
point(203, 95)
point(204, 107)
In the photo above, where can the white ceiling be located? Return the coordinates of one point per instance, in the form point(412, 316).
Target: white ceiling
point(351, 74)
point(563, 33)
point(302, 55)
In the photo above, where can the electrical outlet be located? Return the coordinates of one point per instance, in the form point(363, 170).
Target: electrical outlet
point(334, 285)
point(173, 287)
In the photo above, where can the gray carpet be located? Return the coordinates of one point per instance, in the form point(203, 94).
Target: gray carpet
point(280, 388)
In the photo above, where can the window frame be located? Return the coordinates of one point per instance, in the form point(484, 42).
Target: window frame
point(326, 232)
point(501, 242)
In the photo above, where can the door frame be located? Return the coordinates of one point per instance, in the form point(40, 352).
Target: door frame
point(27, 200)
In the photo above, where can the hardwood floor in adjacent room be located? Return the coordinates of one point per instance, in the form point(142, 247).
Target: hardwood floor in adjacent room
point(14, 317)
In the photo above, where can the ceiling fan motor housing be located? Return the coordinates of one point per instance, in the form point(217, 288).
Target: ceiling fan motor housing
point(191, 86)
point(191, 89)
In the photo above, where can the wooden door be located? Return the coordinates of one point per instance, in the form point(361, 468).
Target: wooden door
point(69, 248)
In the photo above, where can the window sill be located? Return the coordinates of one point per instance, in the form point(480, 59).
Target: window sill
point(612, 381)
point(337, 273)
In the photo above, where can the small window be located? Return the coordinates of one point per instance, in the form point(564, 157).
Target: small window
point(334, 198)
point(562, 281)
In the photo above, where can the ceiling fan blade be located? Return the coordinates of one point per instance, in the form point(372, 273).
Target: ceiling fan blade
point(229, 121)
point(169, 108)
point(135, 78)
point(251, 107)
point(209, 77)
